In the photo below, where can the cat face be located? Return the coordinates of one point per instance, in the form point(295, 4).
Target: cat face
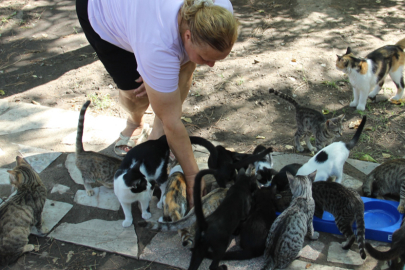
point(16, 176)
point(334, 125)
point(301, 185)
point(349, 61)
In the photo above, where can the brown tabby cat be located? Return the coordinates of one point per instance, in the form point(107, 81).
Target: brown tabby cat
point(93, 166)
point(310, 121)
point(175, 199)
point(396, 252)
point(368, 74)
point(210, 203)
point(20, 212)
point(388, 178)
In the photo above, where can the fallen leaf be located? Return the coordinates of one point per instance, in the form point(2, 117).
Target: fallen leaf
point(260, 11)
point(277, 5)
point(36, 247)
point(93, 254)
point(366, 157)
point(55, 259)
point(103, 254)
point(308, 266)
point(230, 149)
point(186, 119)
point(398, 102)
point(69, 256)
point(354, 124)
point(260, 137)
point(368, 128)
point(256, 61)
point(2, 92)
point(289, 147)
point(35, 76)
point(386, 155)
point(325, 111)
point(34, 102)
point(293, 60)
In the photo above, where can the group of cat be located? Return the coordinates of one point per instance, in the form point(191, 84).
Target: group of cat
point(245, 202)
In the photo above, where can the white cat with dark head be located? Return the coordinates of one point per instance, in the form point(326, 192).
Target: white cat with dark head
point(330, 160)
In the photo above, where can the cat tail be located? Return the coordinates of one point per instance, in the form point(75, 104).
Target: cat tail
point(284, 96)
point(213, 160)
point(401, 43)
point(360, 234)
point(252, 158)
point(356, 136)
point(201, 222)
point(180, 224)
point(384, 255)
point(80, 127)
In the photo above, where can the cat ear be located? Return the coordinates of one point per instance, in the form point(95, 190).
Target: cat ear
point(349, 50)
point(311, 176)
point(290, 177)
point(339, 57)
point(20, 160)
point(341, 117)
point(241, 171)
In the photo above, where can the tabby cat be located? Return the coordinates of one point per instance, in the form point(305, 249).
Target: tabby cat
point(310, 121)
point(20, 212)
point(214, 232)
point(175, 199)
point(286, 235)
point(93, 166)
point(346, 205)
point(367, 75)
point(330, 160)
point(396, 252)
point(210, 202)
point(388, 178)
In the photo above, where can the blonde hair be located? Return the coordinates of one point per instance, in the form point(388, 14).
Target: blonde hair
point(210, 24)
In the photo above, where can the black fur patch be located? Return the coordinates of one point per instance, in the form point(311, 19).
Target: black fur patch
point(321, 157)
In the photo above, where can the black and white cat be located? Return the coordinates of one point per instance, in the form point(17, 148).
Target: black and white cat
point(263, 167)
point(330, 160)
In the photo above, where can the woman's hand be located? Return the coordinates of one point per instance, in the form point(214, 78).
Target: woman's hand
point(141, 90)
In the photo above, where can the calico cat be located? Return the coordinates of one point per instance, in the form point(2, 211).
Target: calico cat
point(396, 252)
point(175, 199)
point(93, 166)
point(286, 235)
point(388, 178)
point(310, 121)
point(368, 74)
point(346, 205)
point(210, 202)
point(20, 212)
point(214, 232)
point(330, 160)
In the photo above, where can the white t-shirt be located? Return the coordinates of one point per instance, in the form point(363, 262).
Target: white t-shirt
point(149, 29)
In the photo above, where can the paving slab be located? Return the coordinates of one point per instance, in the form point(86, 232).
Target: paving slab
point(74, 172)
point(100, 234)
point(282, 159)
point(2, 153)
point(103, 198)
point(312, 250)
point(38, 158)
point(61, 189)
point(52, 214)
point(363, 166)
point(351, 182)
point(4, 177)
point(338, 255)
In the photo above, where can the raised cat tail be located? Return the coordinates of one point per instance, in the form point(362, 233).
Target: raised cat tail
point(201, 222)
point(284, 96)
point(213, 160)
point(401, 43)
point(361, 234)
point(356, 136)
point(80, 127)
point(384, 255)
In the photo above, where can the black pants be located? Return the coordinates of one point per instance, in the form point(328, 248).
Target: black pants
point(119, 63)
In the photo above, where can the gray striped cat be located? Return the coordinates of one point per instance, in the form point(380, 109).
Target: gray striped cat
point(20, 212)
point(210, 202)
point(346, 206)
point(310, 121)
point(286, 235)
point(93, 166)
point(388, 178)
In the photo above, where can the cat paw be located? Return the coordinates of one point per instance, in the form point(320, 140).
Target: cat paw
point(161, 219)
point(395, 97)
point(90, 192)
point(373, 98)
point(160, 205)
point(353, 104)
point(127, 223)
point(313, 149)
point(42, 231)
point(300, 149)
point(401, 209)
point(146, 215)
point(315, 236)
point(361, 107)
point(187, 242)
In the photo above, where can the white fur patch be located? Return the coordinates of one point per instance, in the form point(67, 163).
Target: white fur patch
point(176, 168)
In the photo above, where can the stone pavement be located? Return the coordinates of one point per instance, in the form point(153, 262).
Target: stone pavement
point(45, 137)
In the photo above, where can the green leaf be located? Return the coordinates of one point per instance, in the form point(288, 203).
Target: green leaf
point(2, 92)
point(367, 157)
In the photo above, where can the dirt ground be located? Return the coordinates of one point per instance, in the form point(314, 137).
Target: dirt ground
point(288, 45)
